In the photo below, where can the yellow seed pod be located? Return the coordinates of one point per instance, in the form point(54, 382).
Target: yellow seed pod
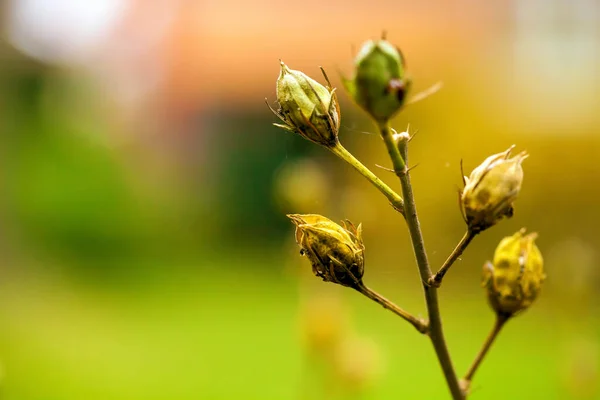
point(491, 189)
point(515, 277)
point(335, 252)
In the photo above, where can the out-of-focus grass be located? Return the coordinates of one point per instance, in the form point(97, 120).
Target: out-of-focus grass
point(233, 335)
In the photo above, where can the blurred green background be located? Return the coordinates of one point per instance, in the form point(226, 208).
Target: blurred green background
point(144, 249)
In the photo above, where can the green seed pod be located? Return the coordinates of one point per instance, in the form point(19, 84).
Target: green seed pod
point(380, 83)
point(306, 107)
point(514, 279)
point(335, 252)
point(491, 189)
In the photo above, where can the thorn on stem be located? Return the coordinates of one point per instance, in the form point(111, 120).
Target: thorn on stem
point(411, 168)
point(385, 168)
point(425, 93)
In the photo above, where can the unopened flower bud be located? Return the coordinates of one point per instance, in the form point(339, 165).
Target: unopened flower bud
point(306, 107)
point(515, 277)
point(491, 189)
point(335, 252)
point(380, 83)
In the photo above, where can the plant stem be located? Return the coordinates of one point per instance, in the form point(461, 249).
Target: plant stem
point(392, 196)
point(436, 332)
point(436, 280)
point(418, 323)
point(500, 321)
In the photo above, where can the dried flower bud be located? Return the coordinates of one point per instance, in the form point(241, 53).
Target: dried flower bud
point(335, 252)
point(491, 189)
point(514, 279)
point(380, 84)
point(306, 107)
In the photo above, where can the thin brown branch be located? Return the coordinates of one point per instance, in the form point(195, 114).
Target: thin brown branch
point(436, 280)
point(436, 332)
point(419, 323)
point(498, 324)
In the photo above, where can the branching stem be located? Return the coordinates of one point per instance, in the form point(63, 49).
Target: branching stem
point(420, 324)
point(394, 198)
point(436, 280)
point(436, 333)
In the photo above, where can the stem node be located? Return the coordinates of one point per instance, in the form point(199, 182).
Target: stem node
point(419, 323)
point(395, 199)
point(436, 279)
